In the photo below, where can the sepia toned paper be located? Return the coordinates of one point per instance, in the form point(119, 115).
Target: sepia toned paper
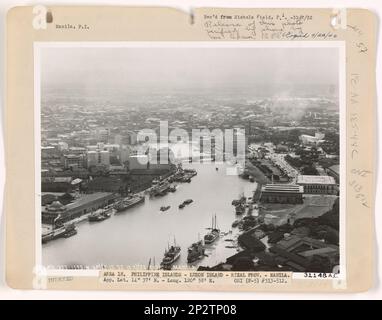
point(354, 31)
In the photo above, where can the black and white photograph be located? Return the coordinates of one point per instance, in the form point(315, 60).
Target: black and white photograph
point(190, 156)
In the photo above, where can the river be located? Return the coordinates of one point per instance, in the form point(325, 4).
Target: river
point(141, 233)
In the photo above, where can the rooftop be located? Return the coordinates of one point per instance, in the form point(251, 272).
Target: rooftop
point(335, 168)
point(287, 188)
point(86, 198)
point(305, 179)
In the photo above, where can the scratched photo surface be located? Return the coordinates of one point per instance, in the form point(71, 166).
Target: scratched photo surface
point(202, 158)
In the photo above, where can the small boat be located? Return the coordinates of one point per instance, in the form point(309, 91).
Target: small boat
point(181, 206)
point(172, 188)
point(217, 169)
point(165, 208)
point(241, 200)
point(188, 201)
point(70, 231)
point(235, 223)
point(213, 234)
point(240, 209)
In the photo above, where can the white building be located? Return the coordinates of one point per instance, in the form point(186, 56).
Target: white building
point(316, 139)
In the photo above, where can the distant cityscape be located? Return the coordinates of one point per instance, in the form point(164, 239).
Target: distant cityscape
point(89, 164)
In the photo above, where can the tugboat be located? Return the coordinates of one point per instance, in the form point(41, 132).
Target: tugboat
point(100, 215)
point(160, 189)
point(170, 256)
point(239, 208)
point(235, 223)
point(165, 208)
point(195, 251)
point(213, 234)
point(129, 202)
point(70, 231)
point(241, 200)
point(172, 188)
point(182, 205)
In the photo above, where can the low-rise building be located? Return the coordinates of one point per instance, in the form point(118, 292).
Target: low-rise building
point(282, 193)
point(57, 212)
point(318, 184)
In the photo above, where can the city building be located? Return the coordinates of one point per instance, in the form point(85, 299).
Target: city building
point(73, 161)
point(281, 193)
point(316, 139)
point(317, 184)
point(98, 157)
point(57, 212)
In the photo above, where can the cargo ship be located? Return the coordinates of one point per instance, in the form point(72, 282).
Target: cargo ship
point(129, 202)
point(170, 256)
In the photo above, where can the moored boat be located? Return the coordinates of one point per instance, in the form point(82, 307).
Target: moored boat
point(170, 256)
point(129, 202)
point(211, 236)
point(165, 208)
point(195, 251)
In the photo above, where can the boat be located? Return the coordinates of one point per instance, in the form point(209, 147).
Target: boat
point(195, 251)
point(160, 190)
point(241, 200)
point(172, 188)
point(96, 216)
point(70, 230)
point(188, 201)
point(170, 256)
point(235, 223)
point(182, 205)
point(240, 208)
point(165, 208)
point(213, 234)
point(217, 169)
point(129, 202)
point(191, 172)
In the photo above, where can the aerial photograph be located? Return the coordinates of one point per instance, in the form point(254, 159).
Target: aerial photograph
point(190, 158)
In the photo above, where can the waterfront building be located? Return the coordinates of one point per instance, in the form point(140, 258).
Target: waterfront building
point(80, 206)
point(281, 193)
point(317, 184)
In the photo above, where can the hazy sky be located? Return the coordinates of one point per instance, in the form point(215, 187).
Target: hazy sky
point(182, 68)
